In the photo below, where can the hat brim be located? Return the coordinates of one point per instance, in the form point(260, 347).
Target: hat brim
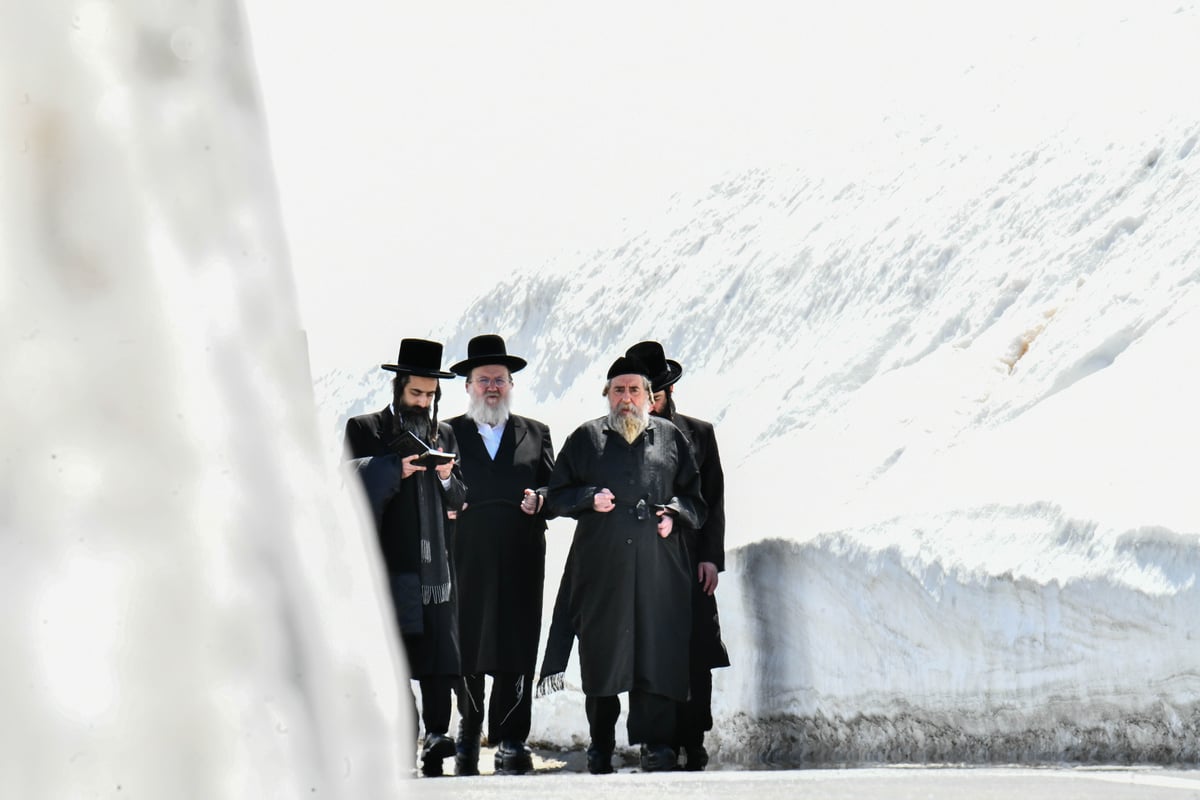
point(420, 372)
point(464, 367)
point(674, 372)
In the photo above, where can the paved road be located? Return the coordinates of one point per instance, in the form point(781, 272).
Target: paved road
point(893, 783)
point(900, 783)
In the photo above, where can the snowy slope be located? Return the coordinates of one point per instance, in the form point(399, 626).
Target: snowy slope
point(953, 396)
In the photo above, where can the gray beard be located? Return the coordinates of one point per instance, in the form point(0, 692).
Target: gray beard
point(479, 411)
point(629, 427)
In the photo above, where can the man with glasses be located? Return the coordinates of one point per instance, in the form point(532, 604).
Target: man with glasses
point(629, 479)
point(499, 557)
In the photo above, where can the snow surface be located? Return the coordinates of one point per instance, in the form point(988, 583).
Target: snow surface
point(956, 443)
point(192, 608)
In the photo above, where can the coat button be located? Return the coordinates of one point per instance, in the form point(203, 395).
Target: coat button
point(629, 541)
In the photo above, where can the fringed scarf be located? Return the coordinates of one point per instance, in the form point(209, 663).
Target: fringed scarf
point(434, 568)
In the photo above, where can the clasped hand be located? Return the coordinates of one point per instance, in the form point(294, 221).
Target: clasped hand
point(604, 501)
point(531, 502)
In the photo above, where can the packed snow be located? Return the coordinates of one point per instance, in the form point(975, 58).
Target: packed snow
point(192, 608)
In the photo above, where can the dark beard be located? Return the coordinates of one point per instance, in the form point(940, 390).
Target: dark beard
point(414, 419)
point(668, 411)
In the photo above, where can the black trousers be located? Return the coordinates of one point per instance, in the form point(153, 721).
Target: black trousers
point(435, 703)
point(694, 717)
point(509, 709)
point(651, 719)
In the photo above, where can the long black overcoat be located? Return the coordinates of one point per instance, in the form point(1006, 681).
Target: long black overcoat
point(500, 551)
point(630, 594)
point(706, 543)
point(435, 650)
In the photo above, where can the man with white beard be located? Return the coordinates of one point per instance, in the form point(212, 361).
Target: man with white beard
point(627, 477)
point(499, 557)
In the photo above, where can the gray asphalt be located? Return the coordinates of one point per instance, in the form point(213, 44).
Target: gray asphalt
point(900, 783)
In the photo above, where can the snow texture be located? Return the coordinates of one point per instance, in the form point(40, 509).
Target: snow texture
point(191, 606)
point(954, 396)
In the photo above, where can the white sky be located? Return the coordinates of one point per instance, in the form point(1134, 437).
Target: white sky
point(443, 146)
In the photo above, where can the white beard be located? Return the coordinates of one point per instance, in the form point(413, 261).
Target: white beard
point(479, 411)
point(629, 427)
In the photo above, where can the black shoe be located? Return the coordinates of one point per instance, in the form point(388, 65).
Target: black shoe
point(599, 760)
point(437, 747)
point(513, 758)
point(658, 758)
point(466, 757)
point(697, 758)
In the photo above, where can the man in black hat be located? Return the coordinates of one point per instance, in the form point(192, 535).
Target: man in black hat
point(629, 479)
point(706, 554)
point(410, 504)
point(499, 557)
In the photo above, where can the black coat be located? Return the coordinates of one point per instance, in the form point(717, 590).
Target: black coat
point(706, 543)
point(630, 593)
point(434, 650)
point(500, 551)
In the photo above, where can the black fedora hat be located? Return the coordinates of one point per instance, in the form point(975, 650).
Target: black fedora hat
point(663, 371)
point(628, 365)
point(419, 357)
point(487, 348)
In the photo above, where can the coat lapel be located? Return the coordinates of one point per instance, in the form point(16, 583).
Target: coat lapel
point(506, 452)
point(519, 430)
point(470, 440)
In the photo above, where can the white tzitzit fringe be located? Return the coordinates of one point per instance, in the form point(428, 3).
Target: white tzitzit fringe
point(435, 594)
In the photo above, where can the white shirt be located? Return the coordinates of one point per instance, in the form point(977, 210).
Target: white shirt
point(491, 436)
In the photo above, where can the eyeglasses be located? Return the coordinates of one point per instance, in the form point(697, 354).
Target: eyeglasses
point(499, 383)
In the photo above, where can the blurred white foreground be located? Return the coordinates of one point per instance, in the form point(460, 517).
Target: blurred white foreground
point(191, 609)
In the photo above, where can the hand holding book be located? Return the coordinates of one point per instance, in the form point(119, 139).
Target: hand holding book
point(409, 444)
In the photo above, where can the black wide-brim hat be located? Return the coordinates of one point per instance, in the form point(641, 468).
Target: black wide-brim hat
point(419, 357)
point(663, 371)
point(628, 365)
point(487, 348)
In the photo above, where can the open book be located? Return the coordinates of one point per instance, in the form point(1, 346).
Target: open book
point(409, 444)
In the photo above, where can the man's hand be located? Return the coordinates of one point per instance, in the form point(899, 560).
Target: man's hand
point(407, 468)
point(443, 470)
point(602, 501)
point(665, 522)
point(531, 503)
point(706, 573)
